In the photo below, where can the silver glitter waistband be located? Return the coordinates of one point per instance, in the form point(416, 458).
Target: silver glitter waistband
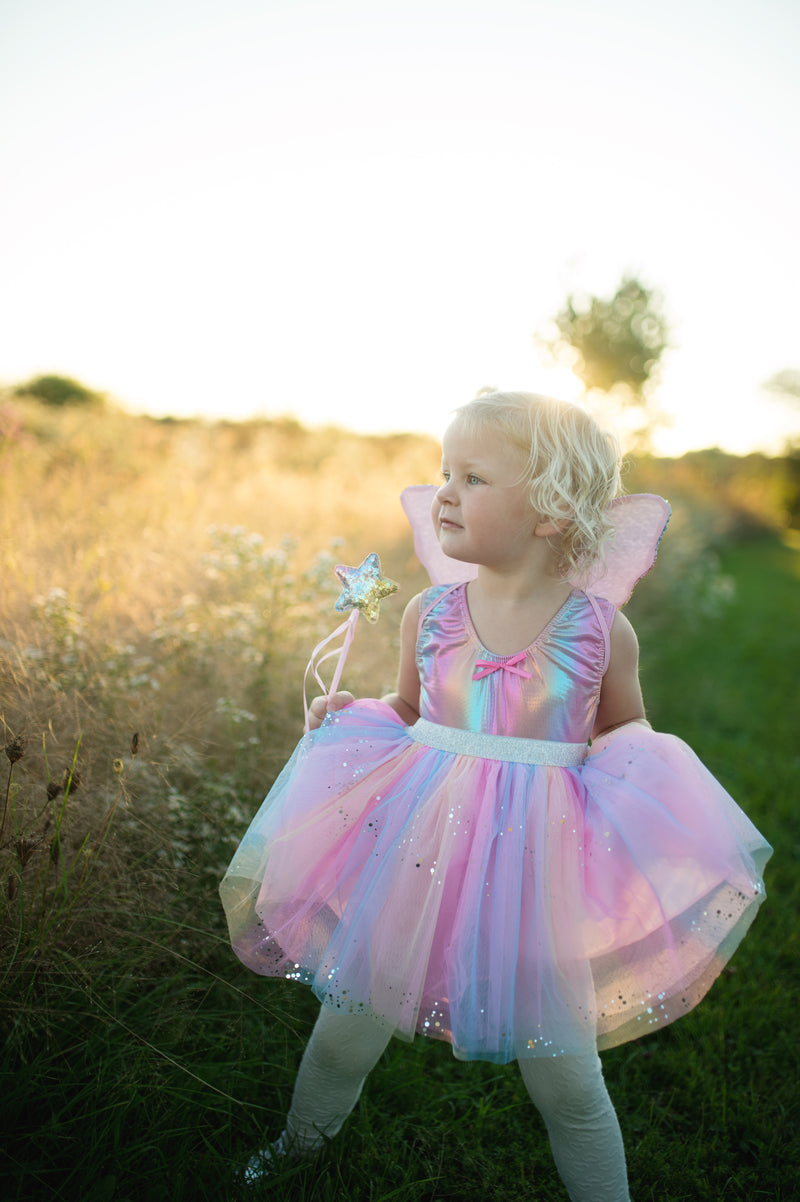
point(497, 747)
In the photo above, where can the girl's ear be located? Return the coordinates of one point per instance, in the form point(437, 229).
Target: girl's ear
point(547, 528)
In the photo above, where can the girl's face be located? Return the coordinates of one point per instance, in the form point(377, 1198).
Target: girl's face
point(482, 513)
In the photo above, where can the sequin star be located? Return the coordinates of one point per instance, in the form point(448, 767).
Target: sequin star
point(364, 587)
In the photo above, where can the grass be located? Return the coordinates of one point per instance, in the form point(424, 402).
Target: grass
point(140, 1060)
point(152, 1063)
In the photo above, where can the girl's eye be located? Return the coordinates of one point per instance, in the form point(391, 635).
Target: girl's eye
point(469, 479)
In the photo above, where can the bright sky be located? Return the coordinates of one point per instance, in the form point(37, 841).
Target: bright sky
point(359, 211)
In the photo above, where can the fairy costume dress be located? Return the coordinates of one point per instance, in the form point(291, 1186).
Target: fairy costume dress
point(487, 876)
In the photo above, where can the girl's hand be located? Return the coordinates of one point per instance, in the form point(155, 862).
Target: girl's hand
point(321, 706)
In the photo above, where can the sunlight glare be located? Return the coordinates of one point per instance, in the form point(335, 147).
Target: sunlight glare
point(561, 383)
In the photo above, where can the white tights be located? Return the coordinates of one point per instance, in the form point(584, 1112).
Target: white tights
point(568, 1091)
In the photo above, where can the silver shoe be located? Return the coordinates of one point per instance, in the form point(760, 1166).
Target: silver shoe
point(270, 1159)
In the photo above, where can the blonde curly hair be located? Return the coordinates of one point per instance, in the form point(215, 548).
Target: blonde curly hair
point(572, 467)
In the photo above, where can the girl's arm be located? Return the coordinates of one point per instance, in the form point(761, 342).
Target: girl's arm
point(405, 700)
point(621, 694)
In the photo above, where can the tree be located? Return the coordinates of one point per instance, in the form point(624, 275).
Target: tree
point(611, 344)
point(58, 390)
point(614, 347)
point(785, 383)
point(785, 387)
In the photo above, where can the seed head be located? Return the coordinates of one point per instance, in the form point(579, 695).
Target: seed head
point(135, 743)
point(71, 779)
point(25, 849)
point(15, 750)
point(53, 790)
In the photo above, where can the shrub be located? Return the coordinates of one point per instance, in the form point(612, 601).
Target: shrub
point(58, 390)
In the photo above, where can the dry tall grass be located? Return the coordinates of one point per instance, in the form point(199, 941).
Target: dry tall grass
point(169, 580)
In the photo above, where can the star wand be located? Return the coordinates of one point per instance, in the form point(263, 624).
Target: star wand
point(363, 590)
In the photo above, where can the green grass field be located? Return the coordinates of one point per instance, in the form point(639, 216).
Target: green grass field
point(143, 1063)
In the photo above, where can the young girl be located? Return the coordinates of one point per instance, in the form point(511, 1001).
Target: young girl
point(501, 854)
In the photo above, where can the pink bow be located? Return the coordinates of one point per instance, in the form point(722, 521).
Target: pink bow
point(485, 667)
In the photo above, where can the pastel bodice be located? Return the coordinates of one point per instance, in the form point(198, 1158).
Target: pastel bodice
point(548, 691)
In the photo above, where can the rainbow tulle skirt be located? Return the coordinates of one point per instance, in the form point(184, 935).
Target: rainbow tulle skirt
point(512, 908)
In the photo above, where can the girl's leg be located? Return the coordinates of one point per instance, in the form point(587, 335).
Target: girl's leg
point(341, 1052)
point(585, 1138)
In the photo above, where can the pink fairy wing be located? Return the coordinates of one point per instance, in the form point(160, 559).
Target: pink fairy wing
point(417, 500)
point(639, 523)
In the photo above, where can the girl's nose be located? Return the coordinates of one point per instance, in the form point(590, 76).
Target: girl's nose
point(445, 493)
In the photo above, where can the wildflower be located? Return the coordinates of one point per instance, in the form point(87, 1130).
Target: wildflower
point(119, 767)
